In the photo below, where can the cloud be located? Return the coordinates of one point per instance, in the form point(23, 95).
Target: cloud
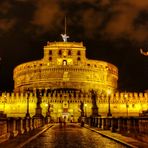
point(5, 7)
point(137, 4)
point(46, 14)
point(21, 0)
point(91, 20)
point(49, 14)
point(104, 2)
point(123, 21)
point(107, 19)
point(6, 24)
point(120, 22)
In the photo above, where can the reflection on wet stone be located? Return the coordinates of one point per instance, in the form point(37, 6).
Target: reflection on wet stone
point(72, 136)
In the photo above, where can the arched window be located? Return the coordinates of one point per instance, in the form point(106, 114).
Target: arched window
point(69, 52)
point(78, 53)
point(50, 52)
point(79, 59)
point(64, 62)
point(60, 52)
point(50, 58)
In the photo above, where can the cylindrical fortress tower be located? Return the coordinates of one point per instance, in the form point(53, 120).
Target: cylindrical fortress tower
point(65, 66)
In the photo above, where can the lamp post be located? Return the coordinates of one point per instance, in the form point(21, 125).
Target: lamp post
point(27, 113)
point(82, 109)
point(85, 105)
point(5, 99)
point(109, 110)
point(48, 109)
point(127, 109)
point(147, 101)
point(126, 101)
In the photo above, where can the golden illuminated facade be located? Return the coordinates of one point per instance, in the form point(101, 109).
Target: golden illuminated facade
point(68, 103)
point(69, 84)
point(65, 65)
point(66, 77)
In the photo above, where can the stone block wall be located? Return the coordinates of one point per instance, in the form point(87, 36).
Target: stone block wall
point(121, 104)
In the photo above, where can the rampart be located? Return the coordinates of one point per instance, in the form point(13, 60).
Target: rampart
point(121, 104)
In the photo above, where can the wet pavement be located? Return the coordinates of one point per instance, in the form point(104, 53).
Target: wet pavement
point(20, 140)
point(71, 136)
point(128, 139)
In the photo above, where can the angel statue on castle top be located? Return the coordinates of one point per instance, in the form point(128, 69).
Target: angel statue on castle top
point(64, 37)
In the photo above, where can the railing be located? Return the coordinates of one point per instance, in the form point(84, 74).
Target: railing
point(13, 126)
point(134, 126)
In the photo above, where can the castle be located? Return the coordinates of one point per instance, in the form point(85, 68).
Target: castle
point(70, 86)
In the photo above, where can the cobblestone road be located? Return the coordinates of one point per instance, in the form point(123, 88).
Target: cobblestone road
point(72, 136)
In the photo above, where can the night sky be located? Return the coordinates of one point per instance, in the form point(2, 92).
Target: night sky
point(111, 30)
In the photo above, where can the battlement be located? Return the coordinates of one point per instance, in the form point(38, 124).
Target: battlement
point(133, 103)
point(130, 95)
point(119, 97)
point(126, 98)
point(63, 44)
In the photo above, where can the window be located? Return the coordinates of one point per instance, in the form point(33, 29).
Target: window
point(69, 52)
point(64, 62)
point(78, 53)
point(50, 58)
point(78, 58)
point(50, 52)
point(60, 52)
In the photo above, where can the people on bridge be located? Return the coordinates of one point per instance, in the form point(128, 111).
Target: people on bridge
point(60, 122)
point(64, 121)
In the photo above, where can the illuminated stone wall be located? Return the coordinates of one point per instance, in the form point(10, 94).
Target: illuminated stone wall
point(66, 77)
point(131, 104)
point(65, 65)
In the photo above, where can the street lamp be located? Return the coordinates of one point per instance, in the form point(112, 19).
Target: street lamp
point(126, 101)
point(82, 108)
point(85, 105)
point(109, 110)
point(28, 95)
point(48, 109)
point(147, 101)
point(5, 99)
